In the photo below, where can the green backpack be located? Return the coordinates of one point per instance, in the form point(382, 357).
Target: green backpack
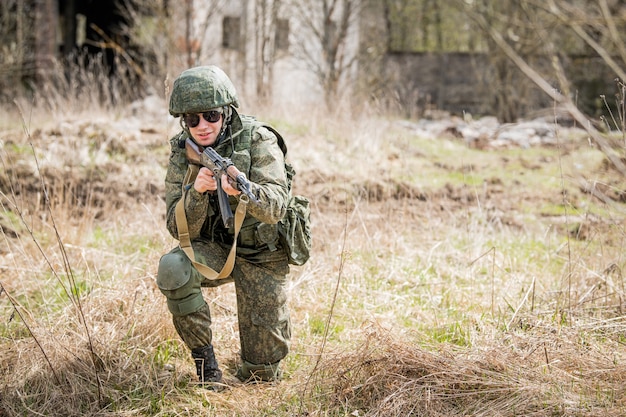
point(294, 230)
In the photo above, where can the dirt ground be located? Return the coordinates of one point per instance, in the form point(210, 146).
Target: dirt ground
point(104, 166)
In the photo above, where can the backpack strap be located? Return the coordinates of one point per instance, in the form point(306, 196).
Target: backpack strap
point(281, 142)
point(185, 242)
point(251, 124)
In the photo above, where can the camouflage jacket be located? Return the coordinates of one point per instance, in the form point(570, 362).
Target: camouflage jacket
point(255, 152)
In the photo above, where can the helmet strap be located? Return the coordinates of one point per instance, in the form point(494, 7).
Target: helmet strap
point(184, 126)
point(227, 116)
point(230, 135)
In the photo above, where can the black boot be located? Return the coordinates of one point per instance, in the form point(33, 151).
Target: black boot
point(206, 367)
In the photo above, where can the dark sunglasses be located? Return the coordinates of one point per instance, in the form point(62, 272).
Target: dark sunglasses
point(193, 119)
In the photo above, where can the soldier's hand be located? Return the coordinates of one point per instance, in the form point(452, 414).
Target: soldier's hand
point(205, 181)
point(229, 189)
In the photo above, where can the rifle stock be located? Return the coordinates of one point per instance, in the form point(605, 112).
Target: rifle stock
point(193, 152)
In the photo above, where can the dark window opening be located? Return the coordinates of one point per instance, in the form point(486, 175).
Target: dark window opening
point(282, 35)
point(230, 32)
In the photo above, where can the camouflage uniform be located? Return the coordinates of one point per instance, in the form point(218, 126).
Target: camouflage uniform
point(261, 265)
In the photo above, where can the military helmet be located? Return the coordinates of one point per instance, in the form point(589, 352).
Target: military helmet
point(200, 89)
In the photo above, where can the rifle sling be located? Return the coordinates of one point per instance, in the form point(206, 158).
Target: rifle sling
point(185, 241)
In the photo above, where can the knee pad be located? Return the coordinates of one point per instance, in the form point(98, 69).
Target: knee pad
point(175, 279)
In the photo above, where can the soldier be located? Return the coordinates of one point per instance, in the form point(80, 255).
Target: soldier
point(206, 101)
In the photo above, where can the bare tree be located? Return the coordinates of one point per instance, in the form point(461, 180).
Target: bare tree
point(191, 45)
point(266, 14)
point(427, 25)
point(596, 25)
point(322, 43)
point(26, 42)
point(180, 28)
point(528, 31)
point(69, 28)
point(400, 17)
point(591, 22)
point(148, 28)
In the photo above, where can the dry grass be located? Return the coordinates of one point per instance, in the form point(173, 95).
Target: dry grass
point(461, 287)
point(542, 371)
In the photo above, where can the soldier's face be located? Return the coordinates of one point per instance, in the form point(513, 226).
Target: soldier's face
point(206, 130)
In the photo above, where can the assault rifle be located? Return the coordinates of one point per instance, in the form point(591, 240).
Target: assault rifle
point(207, 157)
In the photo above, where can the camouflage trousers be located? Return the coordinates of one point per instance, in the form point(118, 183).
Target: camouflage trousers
point(262, 312)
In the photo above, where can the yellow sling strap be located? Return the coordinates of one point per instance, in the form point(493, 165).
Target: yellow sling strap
point(185, 242)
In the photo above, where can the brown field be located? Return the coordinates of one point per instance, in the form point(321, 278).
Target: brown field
point(445, 280)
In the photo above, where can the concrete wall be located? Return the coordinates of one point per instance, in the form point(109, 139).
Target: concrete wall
point(474, 83)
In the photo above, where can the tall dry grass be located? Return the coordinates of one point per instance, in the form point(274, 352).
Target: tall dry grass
point(460, 281)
